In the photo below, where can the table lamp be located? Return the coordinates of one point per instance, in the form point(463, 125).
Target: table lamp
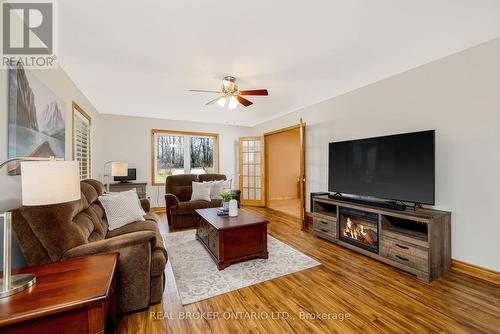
point(118, 168)
point(44, 181)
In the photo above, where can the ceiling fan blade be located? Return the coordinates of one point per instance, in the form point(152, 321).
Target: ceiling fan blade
point(204, 91)
point(212, 101)
point(254, 92)
point(243, 101)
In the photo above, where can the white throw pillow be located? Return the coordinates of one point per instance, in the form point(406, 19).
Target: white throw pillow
point(201, 191)
point(217, 188)
point(122, 209)
point(126, 192)
point(226, 185)
point(114, 193)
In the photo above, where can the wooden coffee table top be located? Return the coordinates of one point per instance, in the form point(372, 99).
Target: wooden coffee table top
point(60, 286)
point(244, 218)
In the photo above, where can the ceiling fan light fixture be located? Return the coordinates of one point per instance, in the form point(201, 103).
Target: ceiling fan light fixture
point(221, 102)
point(231, 95)
point(229, 84)
point(233, 102)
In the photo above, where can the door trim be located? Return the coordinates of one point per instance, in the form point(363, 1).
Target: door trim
point(292, 127)
point(303, 180)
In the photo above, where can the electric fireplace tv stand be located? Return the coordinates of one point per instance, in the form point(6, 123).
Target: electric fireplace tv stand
point(416, 241)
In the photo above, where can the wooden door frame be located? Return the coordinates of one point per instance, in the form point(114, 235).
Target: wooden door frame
point(303, 174)
point(266, 160)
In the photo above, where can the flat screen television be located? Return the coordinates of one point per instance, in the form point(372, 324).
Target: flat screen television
point(397, 167)
point(131, 176)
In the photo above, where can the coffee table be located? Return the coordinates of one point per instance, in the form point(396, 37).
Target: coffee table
point(232, 239)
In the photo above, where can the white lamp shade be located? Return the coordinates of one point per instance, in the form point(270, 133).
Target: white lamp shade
point(119, 168)
point(49, 182)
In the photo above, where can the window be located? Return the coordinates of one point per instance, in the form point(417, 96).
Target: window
point(81, 140)
point(177, 152)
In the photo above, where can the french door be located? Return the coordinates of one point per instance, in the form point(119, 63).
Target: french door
point(251, 171)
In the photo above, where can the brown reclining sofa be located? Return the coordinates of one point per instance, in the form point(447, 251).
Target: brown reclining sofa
point(57, 232)
point(180, 210)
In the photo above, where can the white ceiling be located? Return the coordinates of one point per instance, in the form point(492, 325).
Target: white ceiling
point(139, 58)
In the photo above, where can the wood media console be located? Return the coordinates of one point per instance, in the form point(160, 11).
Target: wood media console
point(416, 241)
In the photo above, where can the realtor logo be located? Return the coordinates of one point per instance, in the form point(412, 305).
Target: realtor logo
point(28, 34)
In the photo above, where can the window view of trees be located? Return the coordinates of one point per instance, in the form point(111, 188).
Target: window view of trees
point(169, 156)
point(170, 149)
point(202, 155)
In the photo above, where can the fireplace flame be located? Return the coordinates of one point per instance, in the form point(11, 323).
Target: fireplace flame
point(357, 231)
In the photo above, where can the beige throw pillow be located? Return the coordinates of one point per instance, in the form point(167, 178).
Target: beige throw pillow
point(122, 209)
point(217, 187)
point(127, 193)
point(227, 184)
point(201, 191)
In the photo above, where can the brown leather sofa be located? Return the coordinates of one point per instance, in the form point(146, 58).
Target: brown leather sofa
point(180, 210)
point(52, 233)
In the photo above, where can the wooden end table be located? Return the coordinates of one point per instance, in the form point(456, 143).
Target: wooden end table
point(232, 239)
point(73, 296)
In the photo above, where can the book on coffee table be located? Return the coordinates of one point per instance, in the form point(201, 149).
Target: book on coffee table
point(222, 212)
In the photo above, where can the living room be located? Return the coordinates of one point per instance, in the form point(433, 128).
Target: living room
point(147, 204)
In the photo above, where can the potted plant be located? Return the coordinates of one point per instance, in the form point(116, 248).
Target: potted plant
point(226, 196)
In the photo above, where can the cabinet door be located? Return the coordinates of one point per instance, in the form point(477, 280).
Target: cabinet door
point(203, 231)
point(213, 241)
point(251, 171)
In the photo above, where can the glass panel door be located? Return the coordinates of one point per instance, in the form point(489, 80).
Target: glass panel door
point(251, 155)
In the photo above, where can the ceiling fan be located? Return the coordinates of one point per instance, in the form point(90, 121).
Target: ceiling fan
point(230, 94)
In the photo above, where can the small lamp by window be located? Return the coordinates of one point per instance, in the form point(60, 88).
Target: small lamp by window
point(118, 168)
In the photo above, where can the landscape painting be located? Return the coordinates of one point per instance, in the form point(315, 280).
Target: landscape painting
point(36, 119)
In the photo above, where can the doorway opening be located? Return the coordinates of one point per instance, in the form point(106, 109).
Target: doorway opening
point(283, 170)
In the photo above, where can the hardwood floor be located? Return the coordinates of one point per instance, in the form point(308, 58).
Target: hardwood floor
point(291, 207)
point(378, 298)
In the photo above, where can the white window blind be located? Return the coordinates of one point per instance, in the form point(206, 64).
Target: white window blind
point(81, 141)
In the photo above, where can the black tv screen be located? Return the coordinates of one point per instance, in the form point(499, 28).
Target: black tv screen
point(130, 177)
point(397, 167)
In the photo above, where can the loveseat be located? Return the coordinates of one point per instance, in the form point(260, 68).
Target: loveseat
point(57, 232)
point(180, 210)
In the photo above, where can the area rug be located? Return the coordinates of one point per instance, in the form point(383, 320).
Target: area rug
point(198, 278)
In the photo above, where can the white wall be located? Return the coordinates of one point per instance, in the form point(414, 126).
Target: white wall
point(128, 139)
point(59, 82)
point(459, 96)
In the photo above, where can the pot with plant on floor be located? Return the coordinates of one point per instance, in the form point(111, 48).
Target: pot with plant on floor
point(226, 196)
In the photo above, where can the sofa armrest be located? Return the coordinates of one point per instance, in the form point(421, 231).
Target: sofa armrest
point(236, 194)
point(171, 200)
point(110, 245)
point(146, 206)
